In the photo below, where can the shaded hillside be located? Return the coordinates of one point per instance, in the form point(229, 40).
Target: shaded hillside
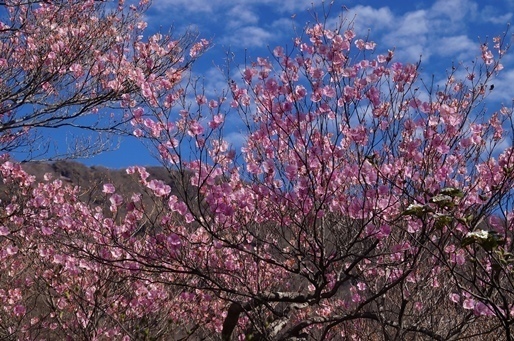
point(91, 180)
point(94, 176)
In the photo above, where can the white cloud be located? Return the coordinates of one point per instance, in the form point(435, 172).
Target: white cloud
point(439, 32)
point(187, 5)
point(430, 32)
point(454, 10)
point(250, 36)
point(286, 6)
point(222, 6)
point(284, 24)
point(494, 15)
point(215, 82)
point(241, 16)
point(409, 38)
point(413, 24)
point(412, 53)
point(238, 24)
point(236, 140)
point(369, 18)
point(503, 88)
point(451, 46)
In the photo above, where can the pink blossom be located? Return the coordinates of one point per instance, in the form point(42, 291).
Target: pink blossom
point(138, 113)
point(11, 250)
point(4, 230)
point(278, 52)
point(46, 230)
point(349, 34)
point(482, 310)
point(189, 218)
point(174, 241)
point(370, 45)
point(159, 188)
point(195, 128)
point(201, 99)
point(180, 207)
point(385, 230)
point(138, 132)
point(374, 96)
point(59, 259)
point(141, 25)
point(116, 199)
point(108, 188)
point(77, 70)
point(217, 120)
point(360, 44)
point(19, 310)
point(468, 304)
point(198, 48)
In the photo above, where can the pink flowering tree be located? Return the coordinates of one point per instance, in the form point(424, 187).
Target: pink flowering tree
point(365, 203)
point(50, 286)
point(70, 63)
point(66, 64)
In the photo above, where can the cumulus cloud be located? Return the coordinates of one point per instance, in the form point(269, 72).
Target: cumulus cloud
point(236, 140)
point(368, 18)
point(413, 24)
point(215, 82)
point(454, 12)
point(187, 5)
point(491, 14)
point(503, 88)
point(221, 6)
point(460, 46)
point(249, 36)
point(440, 30)
point(241, 16)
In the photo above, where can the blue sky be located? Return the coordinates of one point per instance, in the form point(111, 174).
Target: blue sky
point(439, 32)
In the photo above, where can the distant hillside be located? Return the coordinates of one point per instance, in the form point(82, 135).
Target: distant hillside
point(90, 177)
point(91, 180)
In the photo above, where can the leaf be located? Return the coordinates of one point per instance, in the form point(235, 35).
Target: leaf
point(442, 200)
point(467, 241)
point(466, 221)
point(416, 210)
point(442, 221)
point(452, 192)
point(504, 257)
point(489, 240)
point(508, 170)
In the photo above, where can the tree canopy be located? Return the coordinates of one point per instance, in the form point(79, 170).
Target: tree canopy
point(366, 202)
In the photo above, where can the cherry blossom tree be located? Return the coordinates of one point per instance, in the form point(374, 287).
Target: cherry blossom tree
point(366, 203)
point(70, 63)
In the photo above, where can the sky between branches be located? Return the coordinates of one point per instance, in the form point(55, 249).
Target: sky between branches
point(437, 32)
